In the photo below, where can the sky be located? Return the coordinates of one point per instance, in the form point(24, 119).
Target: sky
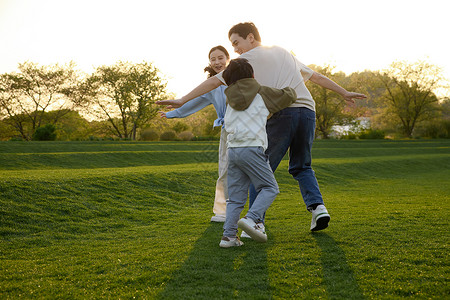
point(176, 36)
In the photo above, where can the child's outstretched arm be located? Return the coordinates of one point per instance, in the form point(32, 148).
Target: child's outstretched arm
point(327, 83)
point(204, 87)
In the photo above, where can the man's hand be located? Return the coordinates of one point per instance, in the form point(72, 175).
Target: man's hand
point(171, 103)
point(327, 83)
point(350, 96)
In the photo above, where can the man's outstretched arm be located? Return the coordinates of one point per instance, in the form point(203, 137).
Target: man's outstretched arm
point(203, 88)
point(327, 83)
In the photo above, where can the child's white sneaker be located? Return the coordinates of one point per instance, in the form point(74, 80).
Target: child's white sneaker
point(253, 229)
point(320, 218)
point(227, 242)
point(261, 228)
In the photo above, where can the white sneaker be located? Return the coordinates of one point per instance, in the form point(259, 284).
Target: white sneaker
point(218, 218)
point(320, 218)
point(227, 242)
point(261, 228)
point(254, 230)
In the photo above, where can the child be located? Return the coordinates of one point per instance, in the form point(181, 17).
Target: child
point(249, 105)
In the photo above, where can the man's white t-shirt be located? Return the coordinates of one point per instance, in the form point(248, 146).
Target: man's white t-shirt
point(277, 68)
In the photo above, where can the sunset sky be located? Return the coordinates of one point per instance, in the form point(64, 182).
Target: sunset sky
point(177, 35)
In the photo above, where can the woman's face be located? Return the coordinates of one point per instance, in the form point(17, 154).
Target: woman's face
point(218, 60)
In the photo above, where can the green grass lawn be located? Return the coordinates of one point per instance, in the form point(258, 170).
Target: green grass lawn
point(89, 220)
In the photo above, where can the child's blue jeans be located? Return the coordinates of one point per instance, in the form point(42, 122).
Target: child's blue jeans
point(248, 165)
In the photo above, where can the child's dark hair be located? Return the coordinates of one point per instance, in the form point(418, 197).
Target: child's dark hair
point(210, 70)
point(238, 68)
point(244, 29)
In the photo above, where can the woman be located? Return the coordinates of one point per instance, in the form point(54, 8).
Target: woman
point(218, 60)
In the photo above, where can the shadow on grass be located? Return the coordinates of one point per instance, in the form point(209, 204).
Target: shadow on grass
point(337, 275)
point(211, 272)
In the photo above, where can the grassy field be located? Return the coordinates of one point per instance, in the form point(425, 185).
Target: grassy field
point(130, 220)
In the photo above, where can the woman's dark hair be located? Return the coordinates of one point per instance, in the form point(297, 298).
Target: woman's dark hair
point(210, 70)
point(237, 69)
point(244, 29)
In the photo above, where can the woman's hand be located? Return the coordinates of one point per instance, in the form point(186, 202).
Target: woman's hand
point(162, 114)
point(171, 103)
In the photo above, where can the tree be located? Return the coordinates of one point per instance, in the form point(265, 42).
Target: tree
point(329, 105)
point(124, 94)
point(145, 87)
point(367, 83)
point(26, 96)
point(409, 95)
point(11, 111)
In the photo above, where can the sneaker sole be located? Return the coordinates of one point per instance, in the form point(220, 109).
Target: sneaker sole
point(321, 223)
point(254, 234)
point(230, 246)
point(217, 220)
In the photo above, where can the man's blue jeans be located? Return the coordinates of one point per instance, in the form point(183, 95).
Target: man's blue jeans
point(293, 128)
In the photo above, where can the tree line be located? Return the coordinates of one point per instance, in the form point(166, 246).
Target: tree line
point(118, 102)
point(402, 102)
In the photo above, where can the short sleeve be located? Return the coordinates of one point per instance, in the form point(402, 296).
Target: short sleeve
point(304, 70)
point(220, 77)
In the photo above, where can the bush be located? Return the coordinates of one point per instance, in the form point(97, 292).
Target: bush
point(186, 136)
point(434, 129)
point(149, 135)
point(93, 138)
point(168, 136)
point(349, 136)
point(372, 134)
point(16, 139)
point(446, 129)
point(46, 133)
point(180, 127)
